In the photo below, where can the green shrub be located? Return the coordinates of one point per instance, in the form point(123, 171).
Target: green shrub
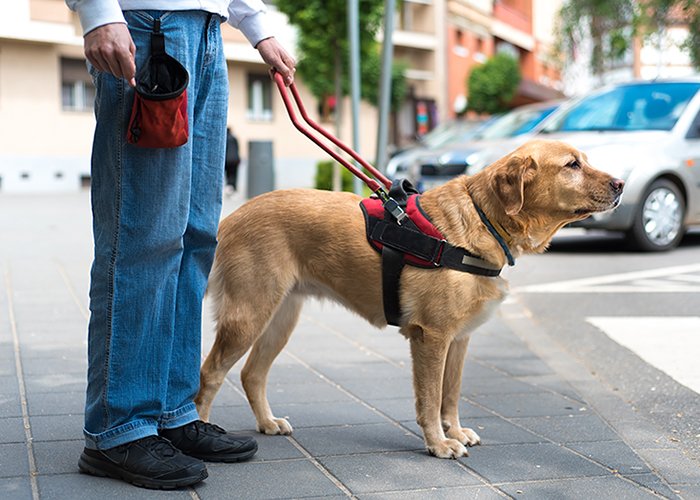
point(324, 176)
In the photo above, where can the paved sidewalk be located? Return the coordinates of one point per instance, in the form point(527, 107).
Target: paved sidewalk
point(549, 430)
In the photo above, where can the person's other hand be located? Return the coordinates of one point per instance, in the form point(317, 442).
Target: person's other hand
point(274, 54)
point(109, 48)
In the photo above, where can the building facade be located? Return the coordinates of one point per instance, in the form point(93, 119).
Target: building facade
point(46, 94)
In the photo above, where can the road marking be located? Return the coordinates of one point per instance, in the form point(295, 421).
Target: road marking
point(669, 343)
point(676, 279)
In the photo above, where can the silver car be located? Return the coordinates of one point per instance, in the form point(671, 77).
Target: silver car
point(647, 133)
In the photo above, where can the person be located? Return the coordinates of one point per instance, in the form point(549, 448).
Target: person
point(155, 217)
point(233, 159)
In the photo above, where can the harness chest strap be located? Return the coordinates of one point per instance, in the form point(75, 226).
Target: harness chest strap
point(415, 242)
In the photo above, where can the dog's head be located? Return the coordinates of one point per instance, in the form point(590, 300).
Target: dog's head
point(544, 185)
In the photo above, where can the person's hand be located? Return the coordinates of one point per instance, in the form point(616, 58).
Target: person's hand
point(274, 55)
point(109, 48)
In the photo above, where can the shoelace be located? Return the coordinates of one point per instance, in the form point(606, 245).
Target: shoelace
point(207, 428)
point(160, 446)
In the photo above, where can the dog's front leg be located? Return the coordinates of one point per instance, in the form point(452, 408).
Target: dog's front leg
point(451, 385)
point(429, 353)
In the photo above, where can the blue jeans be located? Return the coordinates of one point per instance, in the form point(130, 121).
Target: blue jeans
point(155, 217)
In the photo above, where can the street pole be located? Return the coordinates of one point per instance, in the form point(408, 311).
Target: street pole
point(385, 85)
point(354, 37)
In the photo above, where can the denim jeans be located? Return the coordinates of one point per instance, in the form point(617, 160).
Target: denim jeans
point(155, 216)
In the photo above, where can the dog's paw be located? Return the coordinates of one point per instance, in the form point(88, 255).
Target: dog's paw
point(464, 435)
point(275, 426)
point(448, 448)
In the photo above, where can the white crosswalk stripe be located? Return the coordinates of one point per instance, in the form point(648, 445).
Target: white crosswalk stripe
point(669, 343)
point(676, 279)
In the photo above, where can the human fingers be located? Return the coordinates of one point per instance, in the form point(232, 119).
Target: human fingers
point(274, 55)
point(110, 48)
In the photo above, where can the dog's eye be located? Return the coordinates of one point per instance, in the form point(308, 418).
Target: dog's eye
point(574, 164)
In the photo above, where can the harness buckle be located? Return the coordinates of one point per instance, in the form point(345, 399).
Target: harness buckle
point(438, 253)
point(394, 209)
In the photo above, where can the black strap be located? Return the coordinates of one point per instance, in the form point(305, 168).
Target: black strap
point(392, 265)
point(157, 39)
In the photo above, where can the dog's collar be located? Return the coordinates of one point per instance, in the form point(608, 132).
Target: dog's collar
point(499, 237)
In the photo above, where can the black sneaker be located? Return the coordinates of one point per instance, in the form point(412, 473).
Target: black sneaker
point(210, 442)
point(150, 462)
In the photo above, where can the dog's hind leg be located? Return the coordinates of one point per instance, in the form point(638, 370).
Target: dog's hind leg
point(451, 385)
point(237, 327)
point(429, 355)
point(257, 367)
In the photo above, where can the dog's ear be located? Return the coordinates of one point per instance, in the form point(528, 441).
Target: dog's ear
point(509, 182)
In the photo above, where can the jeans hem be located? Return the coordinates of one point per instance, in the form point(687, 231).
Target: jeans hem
point(120, 435)
point(177, 418)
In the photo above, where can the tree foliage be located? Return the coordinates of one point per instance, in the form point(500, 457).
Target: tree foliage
point(323, 44)
point(611, 25)
point(492, 85)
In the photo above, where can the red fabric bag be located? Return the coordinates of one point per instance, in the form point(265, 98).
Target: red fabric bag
point(159, 113)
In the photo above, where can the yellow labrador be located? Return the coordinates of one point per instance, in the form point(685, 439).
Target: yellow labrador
point(268, 261)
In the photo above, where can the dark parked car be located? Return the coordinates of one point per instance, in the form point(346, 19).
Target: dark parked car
point(439, 165)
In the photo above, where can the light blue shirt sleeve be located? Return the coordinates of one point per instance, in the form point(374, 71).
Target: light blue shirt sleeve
point(250, 16)
point(95, 13)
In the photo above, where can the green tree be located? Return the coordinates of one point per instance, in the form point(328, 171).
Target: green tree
point(611, 25)
point(324, 47)
point(492, 85)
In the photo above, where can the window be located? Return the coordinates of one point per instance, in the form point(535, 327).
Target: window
point(77, 89)
point(259, 97)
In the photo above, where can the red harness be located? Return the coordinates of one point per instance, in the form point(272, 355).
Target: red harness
point(414, 241)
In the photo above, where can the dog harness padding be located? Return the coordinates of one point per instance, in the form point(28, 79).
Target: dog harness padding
point(416, 241)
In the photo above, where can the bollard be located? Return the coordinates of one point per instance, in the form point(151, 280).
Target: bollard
point(261, 168)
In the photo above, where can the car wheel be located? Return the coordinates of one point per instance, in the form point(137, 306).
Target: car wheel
point(658, 223)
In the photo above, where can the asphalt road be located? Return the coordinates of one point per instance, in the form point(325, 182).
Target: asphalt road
point(586, 280)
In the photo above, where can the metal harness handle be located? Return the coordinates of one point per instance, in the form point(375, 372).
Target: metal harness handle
point(373, 184)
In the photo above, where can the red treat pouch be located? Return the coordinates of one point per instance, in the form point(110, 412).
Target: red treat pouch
point(159, 113)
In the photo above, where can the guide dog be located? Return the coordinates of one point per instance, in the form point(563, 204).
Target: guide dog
point(283, 246)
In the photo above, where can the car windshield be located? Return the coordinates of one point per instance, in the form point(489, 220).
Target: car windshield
point(655, 106)
point(450, 132)
point(516, 122)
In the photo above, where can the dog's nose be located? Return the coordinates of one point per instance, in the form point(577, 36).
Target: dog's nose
point(617, 185)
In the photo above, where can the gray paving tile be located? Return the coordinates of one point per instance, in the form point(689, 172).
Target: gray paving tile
point(55, 382)
point(529, 462)
point(8, 384)
point(688, 492)
point(367, 370)
point(492, 431)
point(615, 455)
point(72, 486)
point(569, 428)
point(468, 493)
point(12, 430)
point(673, 465)
point(10, 406)
point(397, 471)
point(371, 438)
point(57, 457)
point(497, 385)
point(522, 367)
point(16, 488)
point(53, 428)
point(323, 414)
point(59, 364)
point(553, 383)
point(380, 388)
point(56, 403)
point(285, 479)
point(14, 460)
point(304, 392)
point(599, 487)
point(529, 405)
point(7, 360)
point(405, 409)
point(652, 482)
